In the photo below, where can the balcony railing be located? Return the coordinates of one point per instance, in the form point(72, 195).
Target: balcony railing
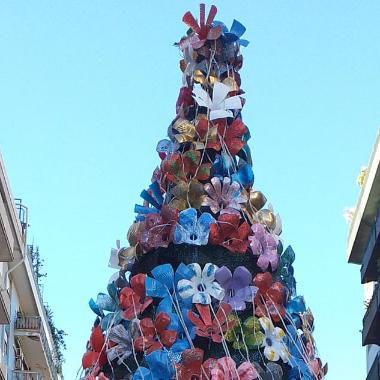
point(33, 324)
point(28, 323)
point(26, 375)
point(371, 320)
point(22, 212)
point(369, 270)
point(374, 372)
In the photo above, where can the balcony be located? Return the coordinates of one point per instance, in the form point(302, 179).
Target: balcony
point(366, 208)
point(374, 372)
point(6, 235)
point(5, 306)
point(369, 270)
point(31, 334)
point(371, 321)
point(26, 375)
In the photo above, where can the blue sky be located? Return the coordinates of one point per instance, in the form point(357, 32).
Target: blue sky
point(89, 87)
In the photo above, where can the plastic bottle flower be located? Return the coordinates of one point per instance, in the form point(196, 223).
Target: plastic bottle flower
point(264, 245)
point(236, 286)
point(154, 335)
point(192, 230)
point(208, 328)
point(270, 298)
point(152, 196)
point(225, 369)
point(109, 303)
point(188, 194)
point(203, 31)
point(273, 343)
point(225, 198)
point(220, 105)
point(123, 339)
point(96, 350)
point(285, 270)
point(133, 300)
point(191, 365)
point(159, 229)
point(230, 233)
point(246, 334)
point(231, 135)
point(160, 367)
point(186, 166)
point(236, 31)
point(201, 286)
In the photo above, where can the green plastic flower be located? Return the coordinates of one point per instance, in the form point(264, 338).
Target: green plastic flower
point(246, 334)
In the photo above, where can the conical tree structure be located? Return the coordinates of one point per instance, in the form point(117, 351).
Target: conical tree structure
point(206, 289)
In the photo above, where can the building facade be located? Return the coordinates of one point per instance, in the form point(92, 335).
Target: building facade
point(26, 344)
point(364, 249)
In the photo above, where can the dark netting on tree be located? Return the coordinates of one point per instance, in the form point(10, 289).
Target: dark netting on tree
point(205, 289)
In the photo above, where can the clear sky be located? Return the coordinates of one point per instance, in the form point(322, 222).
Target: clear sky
point(89, 87)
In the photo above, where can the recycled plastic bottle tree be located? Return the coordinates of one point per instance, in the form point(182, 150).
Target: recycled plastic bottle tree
point(205, 289)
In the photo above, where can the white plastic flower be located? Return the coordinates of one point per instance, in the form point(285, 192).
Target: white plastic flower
point(219, 105)
point(273, 343)
point(190, 64)
point(202, 285)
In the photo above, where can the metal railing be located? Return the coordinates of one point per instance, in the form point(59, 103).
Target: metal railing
point(28, 322)
point(22, 212)
point(26, 375)
point(24, 322)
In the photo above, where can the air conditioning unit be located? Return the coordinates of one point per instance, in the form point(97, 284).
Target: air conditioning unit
point(18, 353)
point(18, 364)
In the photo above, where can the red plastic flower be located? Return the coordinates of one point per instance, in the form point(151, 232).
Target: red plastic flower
point(208, 328)
point(159, 229)
point(134, 299)
point(154, 335)
point(186, 166)
point(229, 233)
point(228, 134)
point(203, 30)
point(185, 99)
point(190, 369)
point(269, 298)
point(96, 354)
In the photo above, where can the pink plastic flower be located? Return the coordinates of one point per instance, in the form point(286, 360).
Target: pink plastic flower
point(225, 198)
point(264, 245)
point(225, 369)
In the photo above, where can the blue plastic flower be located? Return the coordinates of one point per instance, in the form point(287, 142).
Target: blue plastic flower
point(201, 286)
point(234, 34)
point(300, 369)
point(163, 285)
point(294, 308)
point(160, 367)
point(107, 302)
point(156, 200)
point(224, 165)
point(192, 230)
